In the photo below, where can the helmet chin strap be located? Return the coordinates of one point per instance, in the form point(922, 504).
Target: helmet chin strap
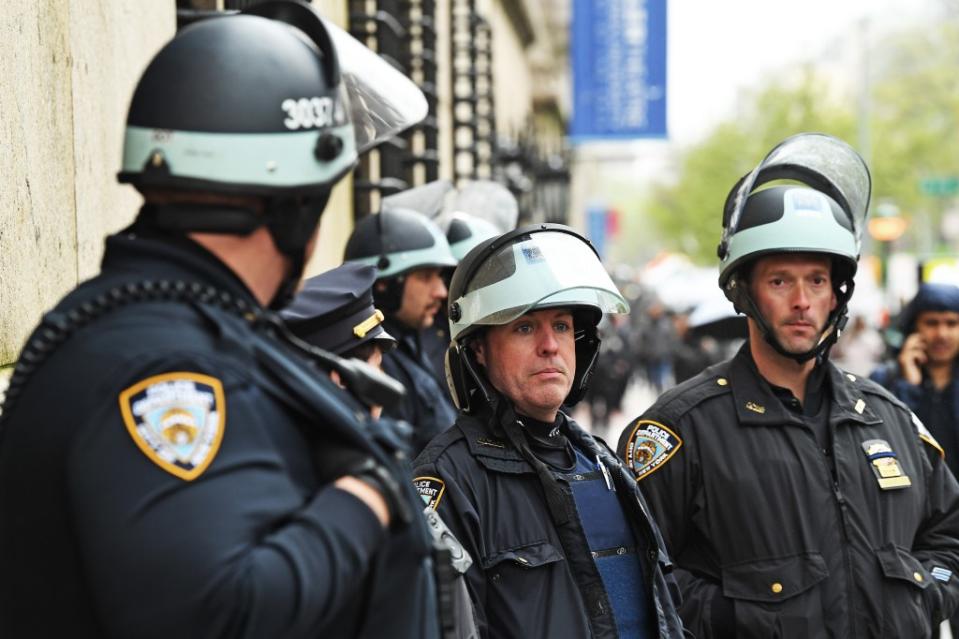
point(292, 223)
point(834, 325)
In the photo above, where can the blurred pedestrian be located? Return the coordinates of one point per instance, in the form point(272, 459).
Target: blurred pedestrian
point(859, 349)
point(612, 374)
point(657, 342)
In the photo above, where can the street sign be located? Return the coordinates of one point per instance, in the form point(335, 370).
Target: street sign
point(619, 69)
point(943, 186)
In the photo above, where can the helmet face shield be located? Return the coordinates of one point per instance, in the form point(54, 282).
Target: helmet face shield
point(383, 101)
point(823, 163)
point(282, 104)
point(549, 269)
point(488, 200)
point(428, 199)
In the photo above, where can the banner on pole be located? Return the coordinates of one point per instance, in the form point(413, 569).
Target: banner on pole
point(619, 69)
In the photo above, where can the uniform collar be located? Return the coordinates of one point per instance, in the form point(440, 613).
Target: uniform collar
point(155, 256)
point(757, 404)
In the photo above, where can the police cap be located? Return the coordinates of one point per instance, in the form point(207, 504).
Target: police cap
point(335, 311)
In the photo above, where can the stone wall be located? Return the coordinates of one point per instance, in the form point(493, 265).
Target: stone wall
point(67, 70)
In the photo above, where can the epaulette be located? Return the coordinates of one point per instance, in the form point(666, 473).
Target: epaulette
point(872, 387)
point(438, 445)
point(680, 399)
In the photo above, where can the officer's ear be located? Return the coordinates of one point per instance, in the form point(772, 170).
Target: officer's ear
point(478, 346)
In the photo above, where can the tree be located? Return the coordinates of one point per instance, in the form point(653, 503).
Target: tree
point(913, 128)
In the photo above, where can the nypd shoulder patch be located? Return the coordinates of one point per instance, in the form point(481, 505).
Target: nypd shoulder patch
point(431, 490)
point(649, 446)
point(177, 420)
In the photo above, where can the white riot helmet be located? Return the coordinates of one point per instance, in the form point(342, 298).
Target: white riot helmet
point(532, 268)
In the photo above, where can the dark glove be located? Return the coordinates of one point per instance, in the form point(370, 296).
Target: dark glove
point(394, 436)
point(385, 483)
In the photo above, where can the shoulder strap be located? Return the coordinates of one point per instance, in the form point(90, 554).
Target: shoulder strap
point(57, 326)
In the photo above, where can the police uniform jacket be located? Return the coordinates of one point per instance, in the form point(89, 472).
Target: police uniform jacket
point(427, 405)
point(530, 578)
point(106, 532)
point(774, 535)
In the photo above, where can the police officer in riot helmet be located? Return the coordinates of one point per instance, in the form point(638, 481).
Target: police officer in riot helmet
point(169, 464)
point(335, 311)
point(558, 531)
point(798, 500)
point(412, 258)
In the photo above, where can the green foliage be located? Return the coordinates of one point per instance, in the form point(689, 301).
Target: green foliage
point(915, 122)
point(914, 128)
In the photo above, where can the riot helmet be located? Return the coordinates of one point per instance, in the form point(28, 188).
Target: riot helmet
point(533, 268)
point(397, 241)
point(257, 104)
point(478, 211)
point(427, 199)
point(463, 232)
point(487, 200)
point(822, 210)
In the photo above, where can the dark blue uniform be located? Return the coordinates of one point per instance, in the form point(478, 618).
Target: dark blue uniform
point(842, 523)
point(427, 405)
point(159, 475)
point(603, 572)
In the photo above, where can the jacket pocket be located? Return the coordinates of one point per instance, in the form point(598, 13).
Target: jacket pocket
point(528, 556)
point(777, 597)
point(530, 593)
point(905, 613)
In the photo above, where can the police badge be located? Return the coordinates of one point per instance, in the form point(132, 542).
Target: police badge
point(431, 490)
point(177, 420)
point(885, 465)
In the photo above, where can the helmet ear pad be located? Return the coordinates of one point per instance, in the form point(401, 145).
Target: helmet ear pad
point(388, 294)
point(587, 352)
point(465, 377)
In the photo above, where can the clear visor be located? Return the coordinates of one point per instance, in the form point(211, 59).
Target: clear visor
point(488, 201)
point(382, 101)
point(546, 270)
point(428, 199)
point(820, 161)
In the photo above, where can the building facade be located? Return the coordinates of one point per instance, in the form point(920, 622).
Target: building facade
point(494, 73)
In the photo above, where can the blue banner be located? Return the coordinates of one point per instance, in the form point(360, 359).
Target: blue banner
point(619, 69)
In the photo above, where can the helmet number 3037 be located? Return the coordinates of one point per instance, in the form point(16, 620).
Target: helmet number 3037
point(307, 113)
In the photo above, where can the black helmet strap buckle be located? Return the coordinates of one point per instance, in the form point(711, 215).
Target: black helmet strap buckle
point(292, 222)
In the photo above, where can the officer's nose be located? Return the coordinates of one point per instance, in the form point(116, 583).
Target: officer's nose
point(800, 297)
point(548, 344)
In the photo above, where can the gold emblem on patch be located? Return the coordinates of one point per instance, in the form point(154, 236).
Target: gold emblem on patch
point(649, 446)
point(177, 420)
